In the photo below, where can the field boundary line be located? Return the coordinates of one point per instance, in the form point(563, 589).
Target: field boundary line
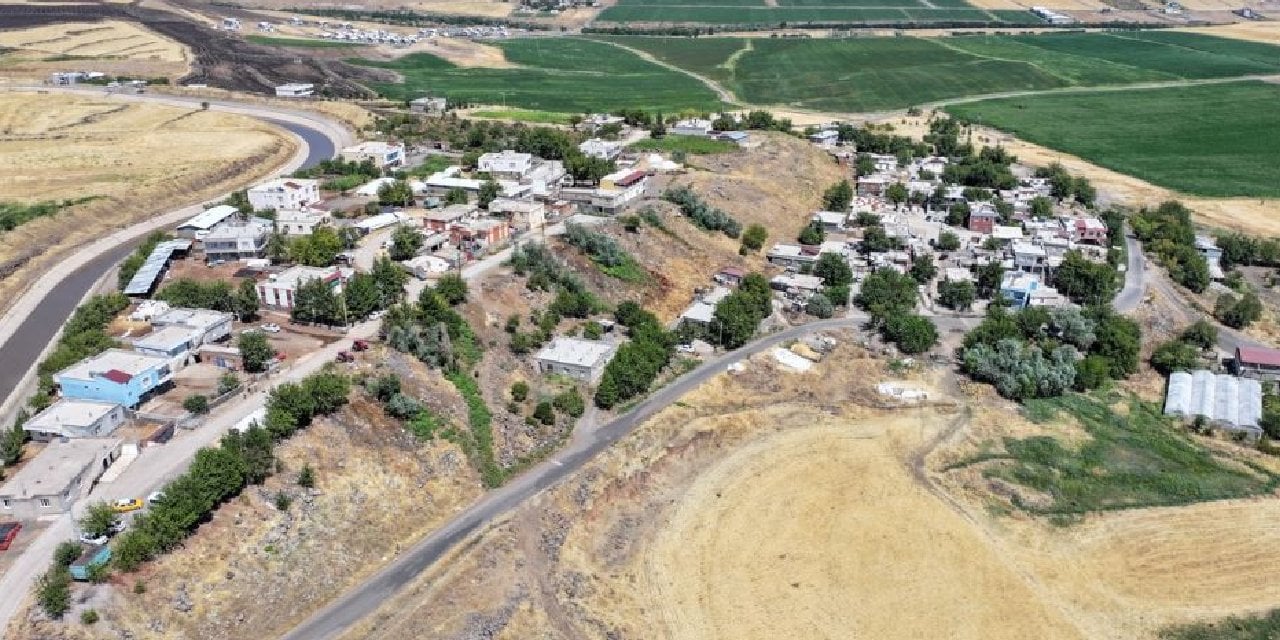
point(1184, 47)
point(982, 56)
point(730, 64)
point(724, 94)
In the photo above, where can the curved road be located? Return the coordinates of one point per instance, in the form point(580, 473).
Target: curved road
point(37, 328)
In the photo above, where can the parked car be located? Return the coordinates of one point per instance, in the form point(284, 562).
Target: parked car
point(88, 539)
point(156, 496)
point(271, 327)
point(125, 505)
point(377, 315)
point(360, 345)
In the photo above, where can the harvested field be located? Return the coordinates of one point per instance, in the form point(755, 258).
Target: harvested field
point(111, 46)
point(1265, 32)
point(136, 159)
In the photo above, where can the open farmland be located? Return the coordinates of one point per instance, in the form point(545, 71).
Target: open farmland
point(1210, 140)
point(552, 74)
point(870, 74)
point(729, 12)
point(115, 47)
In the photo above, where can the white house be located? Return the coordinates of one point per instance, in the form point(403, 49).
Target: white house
point(284, 193)
point(508, 164)
point(579, 359)
point(300, 222)
point(237, 240)
point(295, 90)
point(76, 419)
point(214, 326)
point(382, 154)
point(176, 342)
point(598, 148)
point(206, 220)
point(691, 127)
point(280, 290)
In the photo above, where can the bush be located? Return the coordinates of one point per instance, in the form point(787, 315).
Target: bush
point(544, 413)
point(196, 404)
point(700, 213)
point(570, 403)
point(638, 361)
point(307, 477)
point(947, 241)
point(819, 306)
point(227, 383)
point(519, 391)
point(1175, 355)
point(911, 333)
point(66, 553)
point(53, 592)
point(89, 616)
point(402, 406)
point(283, 501)
point(1020, 371)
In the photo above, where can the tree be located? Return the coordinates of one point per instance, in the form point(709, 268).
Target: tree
point(196, 404)
point(1019, 370)
point(12, 440)
point(519, 390)
point(1238, 313)
point(812, 234)
point(1041, 207)
point(315, 301)
point(990, 276)
point(886, 293)
point(834, 270)
point(838, 196)
point(98, 520)
point(896, 193)
point(544, 413)
point(456, 195)
point(592, 331)
point(958, 295)
point(246, 300)
point(319, 249)
point(255, 351)
point(489, 191)
point(390, 278)
point(452, 288)
point(307, 477)
point(405, 243)
point(947, 241)
point(361, 295)
point(819, 306)
point(754, 237)
point(395, 193)
point(922, 269)
point(659, 127)
point(1092, 372)
point(1085, 282)
point(570, 403)
point(227, 382)
point(876, 240)
point(69, 551)
point(1175, 355)
point(1119, 340)
point(911, 333)
point(1202, 334)
point(53, 592)
point(958, 214)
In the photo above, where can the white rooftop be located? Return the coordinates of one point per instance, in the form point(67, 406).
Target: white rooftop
point(168, 338)
point(293, 276)
point(206, 219)
point(1000, 232)
point(576, 352)
point(194, 318)
point(69, 413)
point(1027, 249)
point(129, 362)
point(1218, 397)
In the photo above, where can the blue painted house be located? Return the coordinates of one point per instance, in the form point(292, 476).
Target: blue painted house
point(1017, 288)
point(115, 375)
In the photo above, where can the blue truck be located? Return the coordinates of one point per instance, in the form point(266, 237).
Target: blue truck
point(93, 556)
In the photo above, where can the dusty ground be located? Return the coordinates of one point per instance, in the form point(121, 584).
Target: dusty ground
point(459, 51)
point(483, 8)
point(253, 571)
point(137, 159)
point(111, 46)
point(1268, 32)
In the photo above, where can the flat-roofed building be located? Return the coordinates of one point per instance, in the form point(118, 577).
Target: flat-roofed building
point(579, 359)
point(76, 419)
point(52, 481)
point(115, 375)
point(214, 326)
point(381, 154)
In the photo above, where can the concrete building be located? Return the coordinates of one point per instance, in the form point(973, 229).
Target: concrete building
point(831, 221)
point(691, 127)
point(579, 359)
point(1258, 362)
point(703, 309)
point(76, 419)
point(442, 220)
point(284, 193)
point(522, 214)
point(1029, 257)
point(429, 105)
point(300, 222)
point(1086, 229)
point(202, 222)
point(1017, 287)
point(598, 148)
point(234, 240)
point(50, 483)
point(505, 165)
point(1224, 400)
point(295, 90)
point(983, 218)
point(213, 326)
point(177, 344)
point(115, 375)
point(280, 290)
point(382, 154)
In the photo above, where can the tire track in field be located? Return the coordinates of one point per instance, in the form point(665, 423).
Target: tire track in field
point(724, 94)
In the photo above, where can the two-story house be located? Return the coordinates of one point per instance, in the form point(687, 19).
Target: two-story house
point(115, 375)
point(235, 240)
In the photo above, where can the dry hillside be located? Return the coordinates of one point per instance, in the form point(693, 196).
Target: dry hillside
point(113, 47)
point(136, 159)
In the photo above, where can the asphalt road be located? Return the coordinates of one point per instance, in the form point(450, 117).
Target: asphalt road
point(23, 348)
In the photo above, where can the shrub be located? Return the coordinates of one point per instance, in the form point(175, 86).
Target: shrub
point(544, 413)
point(53, 592)
point(519, 391)
point(66, 553)
point(89, 616)
point(402, 406)
point(701, 214)
point(307, 477)
point(283, 501)
point(819, 306)
point(196, 404)
point(570, 403)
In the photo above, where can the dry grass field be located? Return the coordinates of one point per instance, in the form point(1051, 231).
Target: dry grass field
point(772, 504)
point(136, 159)
point(111, 46)
point(1268, 32)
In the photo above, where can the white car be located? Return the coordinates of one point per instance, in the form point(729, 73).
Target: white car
point(156, 496)
point(88, 539)
point(377, 315)
point(271, 327)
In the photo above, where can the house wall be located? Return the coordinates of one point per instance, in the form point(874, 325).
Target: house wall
point(101, 427)
point(56, 501)
point(129, 394)
point(586, 374)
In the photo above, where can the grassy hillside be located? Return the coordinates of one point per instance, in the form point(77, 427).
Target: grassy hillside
point(1209, 140)
point(567, 75)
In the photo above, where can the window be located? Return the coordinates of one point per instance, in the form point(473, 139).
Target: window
point(44, 502)
point(5, 503)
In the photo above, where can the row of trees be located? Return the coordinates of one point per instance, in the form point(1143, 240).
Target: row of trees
point(1167, 232)
point(889, 298)
point(316, 300)
point(218, 473)
point(601, 248)
point(217, 295)
point(1037, 352)
point(1067, 187)
point(83, 336)
point(637, 362)
point(702, 214)
point(1185, 352)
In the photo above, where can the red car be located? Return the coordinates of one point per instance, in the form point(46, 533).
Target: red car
point(360, 345)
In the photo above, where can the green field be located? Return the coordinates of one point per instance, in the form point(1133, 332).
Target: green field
point(1214, 140)
point(720, 12)
point(688, 144)
point(1140, 459)
point(523, 115)
point(567, 75)
point(872, 74)
point(302, 43)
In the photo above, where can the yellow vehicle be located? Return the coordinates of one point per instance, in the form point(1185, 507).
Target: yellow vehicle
point(125, 505)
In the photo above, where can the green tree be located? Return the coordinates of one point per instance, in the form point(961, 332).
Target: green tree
point(923, 271)
point(876, 240)
point(1175, 355)
point(834, 270)
point(307, 477)
point(990, 276)
point(489, 191)
point(390, 279)
point(12, 440)
point(812, 234)
point(246, 300)
point(456, 195)
point(1119, 340)
point(452, 288)
point(319, 249)
point(255, 351)
point(911, 333)
point(838, 196)
point(570, 403)
point(544, 413)
point(754, 237)
point(227, 383)
point(361, 295)
point(53, 592)
point(1202, 334)
point(406, 241)
point(196, 404)
point(1085, 282)
point(396, 193)
point(98, 520)
point(519, 390)
point(69, 551)
point(820, 306)
point(89, 616)
point(592, 331)
point(958, 295)
point(1238, 313)
point(1092, 372)
point(896, 193)
point(1041, 207)
point(947, 241)
point(315, 301)
point(887, 293)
